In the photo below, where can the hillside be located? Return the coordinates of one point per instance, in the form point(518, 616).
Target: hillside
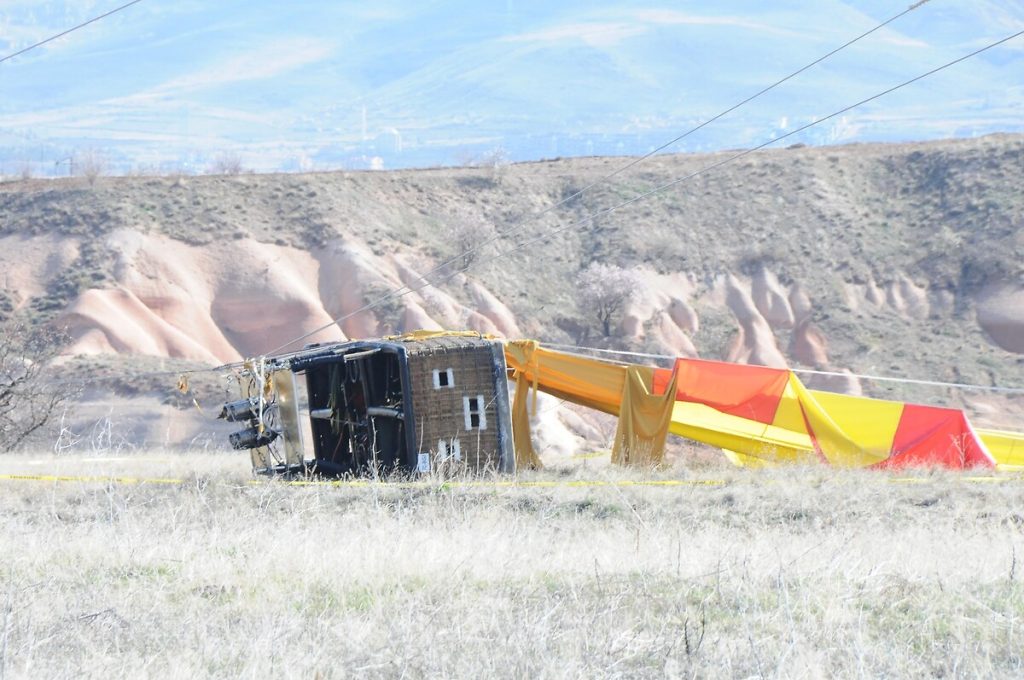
point(882, 259)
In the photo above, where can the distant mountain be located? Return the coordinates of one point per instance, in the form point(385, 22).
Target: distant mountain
point(303, 85)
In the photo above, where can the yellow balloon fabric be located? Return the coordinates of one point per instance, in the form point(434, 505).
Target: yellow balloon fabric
point(644, 420)
point(786, 424)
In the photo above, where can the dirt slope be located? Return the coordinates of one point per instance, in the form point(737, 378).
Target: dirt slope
point(896, 259)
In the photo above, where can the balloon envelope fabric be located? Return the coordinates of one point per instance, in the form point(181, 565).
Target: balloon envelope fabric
point(762, 416)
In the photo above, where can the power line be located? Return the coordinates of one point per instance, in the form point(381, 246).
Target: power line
point(70, 30)
point(524, 221)
point(406, 290)
point(535, 216)
point(807, 371)
point(729, 110)
point(400, 293)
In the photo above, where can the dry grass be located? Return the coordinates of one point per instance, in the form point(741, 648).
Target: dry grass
point(803, 574)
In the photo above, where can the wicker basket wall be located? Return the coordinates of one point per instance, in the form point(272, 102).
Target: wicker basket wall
point(441, 411)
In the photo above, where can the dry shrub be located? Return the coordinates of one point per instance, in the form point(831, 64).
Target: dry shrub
point(228, 163)
point(469, 240)
point(31, 394)
point(91, 165)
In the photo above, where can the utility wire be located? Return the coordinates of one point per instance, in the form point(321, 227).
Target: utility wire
point(630, 201)
point(528, 219)
point(807, 371)
point(398, 293)
point(70, 30)
point(406, 290)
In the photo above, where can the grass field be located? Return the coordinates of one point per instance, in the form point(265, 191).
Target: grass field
point(802, 573)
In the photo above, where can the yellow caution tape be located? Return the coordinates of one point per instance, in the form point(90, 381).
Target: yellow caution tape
point(504, 484)
point(592, 456)
point(73, 478)
point(357, 483)
point(511, 483)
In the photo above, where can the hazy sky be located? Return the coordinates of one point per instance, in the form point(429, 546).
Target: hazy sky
point(346, 84)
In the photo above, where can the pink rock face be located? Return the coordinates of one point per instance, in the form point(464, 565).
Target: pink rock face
point(206, 304)
point(800, 302)
point(684, 316)
point(1001, 316)
point(755, 342)
point(847, 383)
point(220, 302)
point(907, 298)
point(770, 299)
point(480, 323)
point(914, 297)
point(493, 309)
point(809, 345)
point(874, 294)
point(415, 318)
point(349, 272)
point(672, 337)
point(116, 321)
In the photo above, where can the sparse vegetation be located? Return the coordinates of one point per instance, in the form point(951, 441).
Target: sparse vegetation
point(90, 270)
point(7, 306)
point(228, 163)
point(864, 212)
point(469, 241)
point(91, 165)
point(805, 574)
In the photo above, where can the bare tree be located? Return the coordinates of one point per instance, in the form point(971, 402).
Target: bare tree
point(30, 398)
point(469, 239)
point(493, 160)
point(496, 159)
point(229, 163)
point(603, 290)
point(91, 165)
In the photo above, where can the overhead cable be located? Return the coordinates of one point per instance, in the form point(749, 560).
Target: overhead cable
point(808, 371)
point(70, 30)
point(406, 290)
point(524, 221)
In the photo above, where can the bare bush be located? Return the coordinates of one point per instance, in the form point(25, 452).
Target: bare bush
point(497, 160)
point(145, 170)
point(30, 398)
point(602, 292)
point(494, 158)
point(229, 163)
point(91, 165)
point(470, 239)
